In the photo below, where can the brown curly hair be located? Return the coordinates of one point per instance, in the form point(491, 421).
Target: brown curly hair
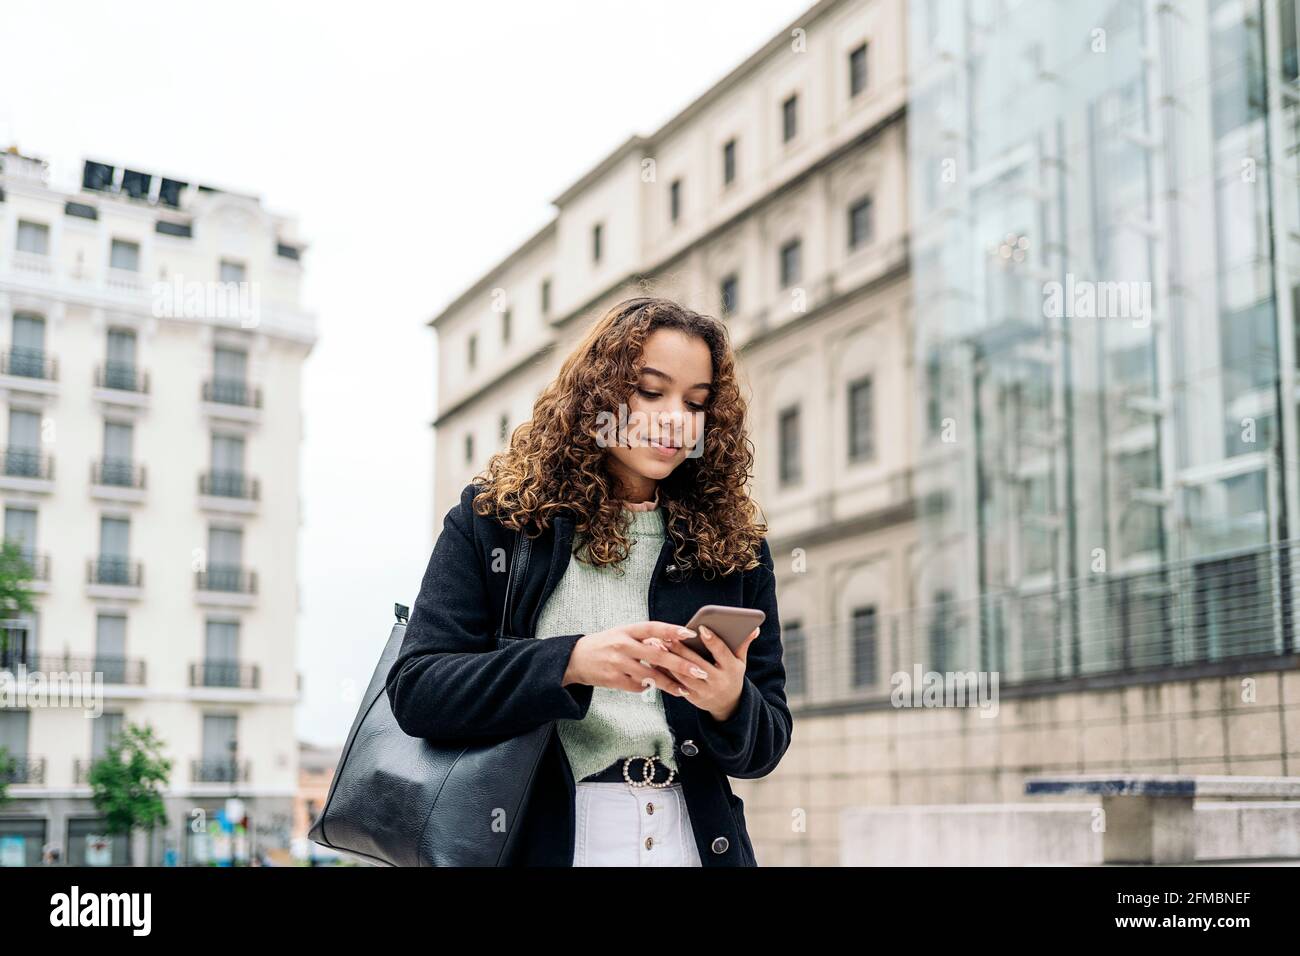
point(554, 460)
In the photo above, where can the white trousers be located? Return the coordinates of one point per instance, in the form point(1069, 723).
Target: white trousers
point(620, 825)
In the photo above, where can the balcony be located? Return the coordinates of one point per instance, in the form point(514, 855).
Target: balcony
point(225, 674)
point(17, 769)
point(29, 370)
point(232, 399)
point(121, 383)
point(219, 770)
point(226, 586)
point(229, 491)
point(113, 576)
point(39, 565)
point(27, 469)
point(117, 479)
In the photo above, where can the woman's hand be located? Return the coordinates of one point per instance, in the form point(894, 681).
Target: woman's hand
point(632, 657)
point(714, 687)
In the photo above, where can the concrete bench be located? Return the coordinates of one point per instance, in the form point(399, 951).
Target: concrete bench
point(1148, 817)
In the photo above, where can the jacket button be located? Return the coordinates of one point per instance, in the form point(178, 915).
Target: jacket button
point(720, 845)
point(689, 748)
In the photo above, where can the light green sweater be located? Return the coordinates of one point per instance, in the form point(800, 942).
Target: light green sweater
point(618, 723)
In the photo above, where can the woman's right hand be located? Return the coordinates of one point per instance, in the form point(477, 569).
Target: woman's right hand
point(612, 658)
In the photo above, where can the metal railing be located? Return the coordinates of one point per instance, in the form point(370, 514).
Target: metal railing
point(225, 674)
point(110, 569)
point(22, 769)
point(227, 391)
point(219, 770)
point(113, 670)
point(231, 578)
point(21, 462)
point(118, 473)
point(229, 484)
point(122, 377)
point(29, 363)
point(1193, 613)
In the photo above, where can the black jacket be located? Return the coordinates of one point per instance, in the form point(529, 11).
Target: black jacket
point(450, 680)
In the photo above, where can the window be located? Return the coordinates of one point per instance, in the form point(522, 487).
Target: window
point(105, 731)
point(220, 736)
point(117, 468)
point(221, 642)
point(20, 528)
point(472, 354)
point(232, 271)
point(230, 376)
point(790, 464)
point(504, 428)
point(860, 225)
point(505, 327)
point(675, 200)
point(225, 559)
point(864, 646)
point(125, 255)
point(228, 455)
point(113, 565)
point(943, 632)
point(729, 162)
point(790, 118)
point(119, 369)
point(791, 265)
point(469, 449)
point(110, 648)
point(730, 290)
point(27, 352)
point(23, 454)
point(597, 235)
point(794, 653)
point(861, 440)
point(546, 297)
point(857, 70)
point(33, 237)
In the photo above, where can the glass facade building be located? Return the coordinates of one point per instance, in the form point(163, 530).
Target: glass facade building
point(1106, 268)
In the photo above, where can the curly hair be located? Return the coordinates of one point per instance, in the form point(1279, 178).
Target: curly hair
point(555, 460)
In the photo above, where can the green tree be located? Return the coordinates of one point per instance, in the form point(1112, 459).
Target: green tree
point(7, 767)
point(126, 783)
point(15, 595)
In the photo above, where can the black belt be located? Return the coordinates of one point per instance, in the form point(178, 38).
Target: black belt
point(642, 771)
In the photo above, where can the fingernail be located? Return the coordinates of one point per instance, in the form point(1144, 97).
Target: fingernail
point(705, 632)
point(699, 673)
point(685, 632)
point(685, 693)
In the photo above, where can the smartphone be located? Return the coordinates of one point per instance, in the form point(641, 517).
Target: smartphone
point(732, 624)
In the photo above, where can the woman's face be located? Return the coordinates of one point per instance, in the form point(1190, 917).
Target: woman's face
point(665, 411)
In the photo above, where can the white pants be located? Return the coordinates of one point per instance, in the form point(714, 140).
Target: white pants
point(619, 825)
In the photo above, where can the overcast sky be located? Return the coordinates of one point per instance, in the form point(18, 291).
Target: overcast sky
point(416, 144)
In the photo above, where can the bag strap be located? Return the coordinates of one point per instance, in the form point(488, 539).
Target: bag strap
point(523, 547)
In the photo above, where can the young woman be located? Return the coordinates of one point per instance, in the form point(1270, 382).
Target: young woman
point(630, 482)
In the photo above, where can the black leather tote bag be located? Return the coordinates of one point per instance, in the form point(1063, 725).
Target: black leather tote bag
point(397, 800)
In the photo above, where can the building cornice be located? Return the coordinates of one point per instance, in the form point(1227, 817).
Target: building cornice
point(511, 370)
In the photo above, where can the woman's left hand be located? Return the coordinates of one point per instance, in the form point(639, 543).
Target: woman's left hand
point(714, 687)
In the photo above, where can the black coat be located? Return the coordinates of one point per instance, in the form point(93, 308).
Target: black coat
point(451, 681)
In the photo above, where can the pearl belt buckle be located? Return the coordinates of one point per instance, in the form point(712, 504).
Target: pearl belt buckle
point(647, 773)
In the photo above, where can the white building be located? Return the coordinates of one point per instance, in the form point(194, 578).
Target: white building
point(151, 344)
point(777, 199)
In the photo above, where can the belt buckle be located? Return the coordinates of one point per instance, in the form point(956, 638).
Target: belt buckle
point(647, 773)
